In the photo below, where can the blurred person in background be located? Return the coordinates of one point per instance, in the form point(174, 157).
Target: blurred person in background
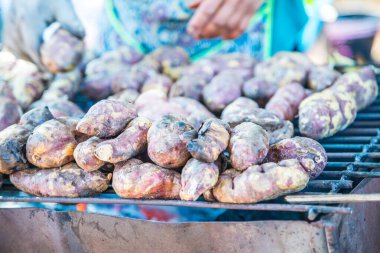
point(202, 27)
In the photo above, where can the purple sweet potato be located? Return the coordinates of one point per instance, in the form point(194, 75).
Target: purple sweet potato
point(190, 86)
point(284, 132)
point(194, 112)
point(157, 82)
point(233, 61)
point(249, 144)
point(361, 85)
point(128, 144)
point(14, 138)
point(259, 90)
point(84, 154)
point(197, 178)
point(68, 181)
point(10, 112)
point(51, 145)
point(126, 96)
point(309, 153)
point(59, 108)
point(61, 51)
point(213, 139)
point(286, 100)
point(223, 89)
point(106, 118)
point(284, 68)
point(138, 180)
point(64, 86)
point(167, 140)
point(260, 182)
point(321, 77)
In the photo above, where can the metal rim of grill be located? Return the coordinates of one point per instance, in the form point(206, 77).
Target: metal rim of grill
point(352, 155)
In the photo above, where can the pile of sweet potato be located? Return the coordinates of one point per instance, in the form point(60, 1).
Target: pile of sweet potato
point(165, 128)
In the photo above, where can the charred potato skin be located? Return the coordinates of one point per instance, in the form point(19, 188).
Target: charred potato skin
point(137, 180)
point(84, 154)
point(259, 90)
point(310, 154)
point(10, 112)
point(167, 140)
point(128, 144)
point(260, 182)
point(51, 145)
point(67, 181)
point(106, 118)
point(249, 144)
point(197, 178)
point(213, 139)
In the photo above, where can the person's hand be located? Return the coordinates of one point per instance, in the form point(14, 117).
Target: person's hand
point(25, 22)
point(221, 18)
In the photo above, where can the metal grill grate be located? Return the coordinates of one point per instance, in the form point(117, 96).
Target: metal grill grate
point(352, 155)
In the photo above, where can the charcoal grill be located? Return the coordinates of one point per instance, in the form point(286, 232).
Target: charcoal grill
point(338, 212)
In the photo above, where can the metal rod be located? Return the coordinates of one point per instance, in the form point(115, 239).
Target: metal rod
point(365, 124)
point(369, 165)
point(352, 155)
point(195, 204)
point(368, 116)
point(328, 184)
point(333, 198)
point(358, 174)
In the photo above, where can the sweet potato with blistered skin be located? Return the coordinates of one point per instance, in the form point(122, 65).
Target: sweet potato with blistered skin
point(190, 86)
point(51, 145)
point(84, 154)
point(361, 85)
point(10, 112)
point(59, 108)
point(321, 77)
point(106, 118)
point(194, 112)
point(236, 113)
point(197, 178)
point(171, 59)
point(259, 90)
point(286, 100)
point(213, 138)
point(61, 51)
point(157, 82)
point(238, 105)
point(249, 144)
point(138, 180)
point(69, 181)
point(284, 68)
point(233, 61)
point(14, 138)
point(64, 86)
point(167, 140)
point(284, 132)
point(126, 96)
point(260, 182)
point(324, 114)
point(128, 144)
point(221, 91)
point(309, 153)
point(206, 67)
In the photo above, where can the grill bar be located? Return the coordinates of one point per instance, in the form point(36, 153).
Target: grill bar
point(333, 198)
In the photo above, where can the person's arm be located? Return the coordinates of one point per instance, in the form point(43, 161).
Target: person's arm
point(221, 18)
point(24, 23)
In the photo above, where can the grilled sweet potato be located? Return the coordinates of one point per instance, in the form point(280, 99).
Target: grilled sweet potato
point(361, 85)
point(310, 154)
point(128, 144)
point(321, 77)
point(286, 100)
point(284, 68)
point(167, 140)
point(64, 86)
point(221, 91)
point(190, 86)
point(137, 180)
point(172, 60)
point(157, 82)
point(249, 144)
point(59, 108)
point(259, 90)
point(84, 154)
point(51, 145)
point(233, 61)
point(61, 51)
point(260, 182)
point(10, 112)
point(284, 132)
point(213, 138)
point(68, 181)
point(126, 96)
point(194, 112)
point(106, 118)
point(197, 178)
point(14, 138)
point(324, 114)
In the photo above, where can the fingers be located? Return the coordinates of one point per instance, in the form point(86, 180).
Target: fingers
point(66, 16)
point(195, 4)
point(202, 16)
